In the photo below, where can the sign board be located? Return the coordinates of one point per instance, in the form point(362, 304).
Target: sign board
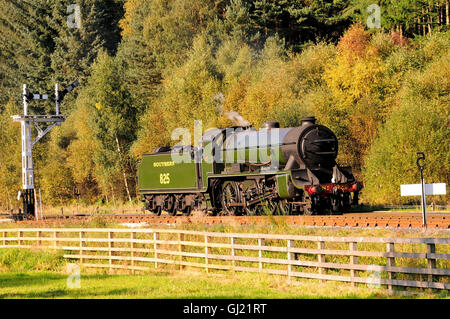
point(416, 189)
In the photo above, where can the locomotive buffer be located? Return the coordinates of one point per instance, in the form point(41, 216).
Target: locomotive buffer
point(28, 194)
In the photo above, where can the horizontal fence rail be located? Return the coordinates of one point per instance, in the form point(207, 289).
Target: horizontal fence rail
point(406, 262)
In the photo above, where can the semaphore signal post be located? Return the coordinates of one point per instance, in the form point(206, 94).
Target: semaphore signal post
point(27, 121)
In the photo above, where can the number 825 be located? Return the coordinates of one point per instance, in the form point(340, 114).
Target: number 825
point(164, 178)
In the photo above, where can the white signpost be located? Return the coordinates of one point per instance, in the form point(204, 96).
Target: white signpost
point(423, 189)
point(416, 189)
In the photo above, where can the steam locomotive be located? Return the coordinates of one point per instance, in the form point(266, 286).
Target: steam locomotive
point(244, 171)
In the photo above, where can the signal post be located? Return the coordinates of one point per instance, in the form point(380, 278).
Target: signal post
point(28, 194)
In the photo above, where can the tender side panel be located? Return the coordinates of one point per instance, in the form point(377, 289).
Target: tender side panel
point(160, 173)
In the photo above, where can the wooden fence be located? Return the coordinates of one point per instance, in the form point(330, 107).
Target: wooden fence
point(407, 262)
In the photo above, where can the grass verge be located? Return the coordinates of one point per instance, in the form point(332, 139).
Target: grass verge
point(185, 285)
point(41, 274)
point(23, 260)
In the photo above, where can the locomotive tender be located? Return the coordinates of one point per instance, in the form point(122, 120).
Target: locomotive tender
point(243, 171)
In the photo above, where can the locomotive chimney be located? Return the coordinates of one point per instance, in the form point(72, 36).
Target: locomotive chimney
point(308, 120)
point(270, 124)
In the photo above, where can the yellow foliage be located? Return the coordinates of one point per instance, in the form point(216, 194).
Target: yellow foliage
point(153, 133)
point(358, 68)
point(355, 80)
point(80, 152)
point(130, 7)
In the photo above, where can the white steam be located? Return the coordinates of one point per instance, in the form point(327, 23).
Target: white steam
point(233, 116)
point(237, 119)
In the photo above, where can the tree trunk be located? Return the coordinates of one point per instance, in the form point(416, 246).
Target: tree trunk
point(9, 205)
point(439, 16)
point(447, 17)
point(112, 194)
point(134, 170)
point(136, 186)
point(429, 20)
point(123, 170)
point(423, 22)
point(418, 26)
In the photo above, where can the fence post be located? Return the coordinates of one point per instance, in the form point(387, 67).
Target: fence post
point(55, 242)
point(155, 247)
point(431, 249)
point(233, 253)
point(290, 255)
point(261, 243)
point(390, 263)
point(5, 234)
point(206, 253)
point(321, 258)
point(82, 244)
point(38, 235)
point(110, 246)
point(181, 248)
point(353, 261)
point(20, 235)
point(133, 246)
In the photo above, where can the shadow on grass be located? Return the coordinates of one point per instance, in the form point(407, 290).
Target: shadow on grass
point(61, 293)
point(26, 286)
point(56, 286)
point(8, 280)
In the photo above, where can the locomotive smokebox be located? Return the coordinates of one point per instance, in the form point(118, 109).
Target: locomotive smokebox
point(310, 146)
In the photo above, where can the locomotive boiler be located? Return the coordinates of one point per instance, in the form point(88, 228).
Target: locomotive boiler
point(241, 170)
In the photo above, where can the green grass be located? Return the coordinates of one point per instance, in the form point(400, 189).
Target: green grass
point(42, 274)
point(185, 285)
point(169, 283)
point(399, 208)
point(23, 260)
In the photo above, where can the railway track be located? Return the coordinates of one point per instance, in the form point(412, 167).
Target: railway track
point(392, 220)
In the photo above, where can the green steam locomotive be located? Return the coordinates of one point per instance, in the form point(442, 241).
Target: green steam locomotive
point(244, 171)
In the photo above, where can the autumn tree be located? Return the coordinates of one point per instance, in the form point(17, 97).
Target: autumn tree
point(355, 81)
point(55, 178)
point(420, 124)
point(189, 92)
point(10, 158)
point(113, 122)
point(80, 150)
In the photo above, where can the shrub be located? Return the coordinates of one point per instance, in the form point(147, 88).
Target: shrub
point(22, 260)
